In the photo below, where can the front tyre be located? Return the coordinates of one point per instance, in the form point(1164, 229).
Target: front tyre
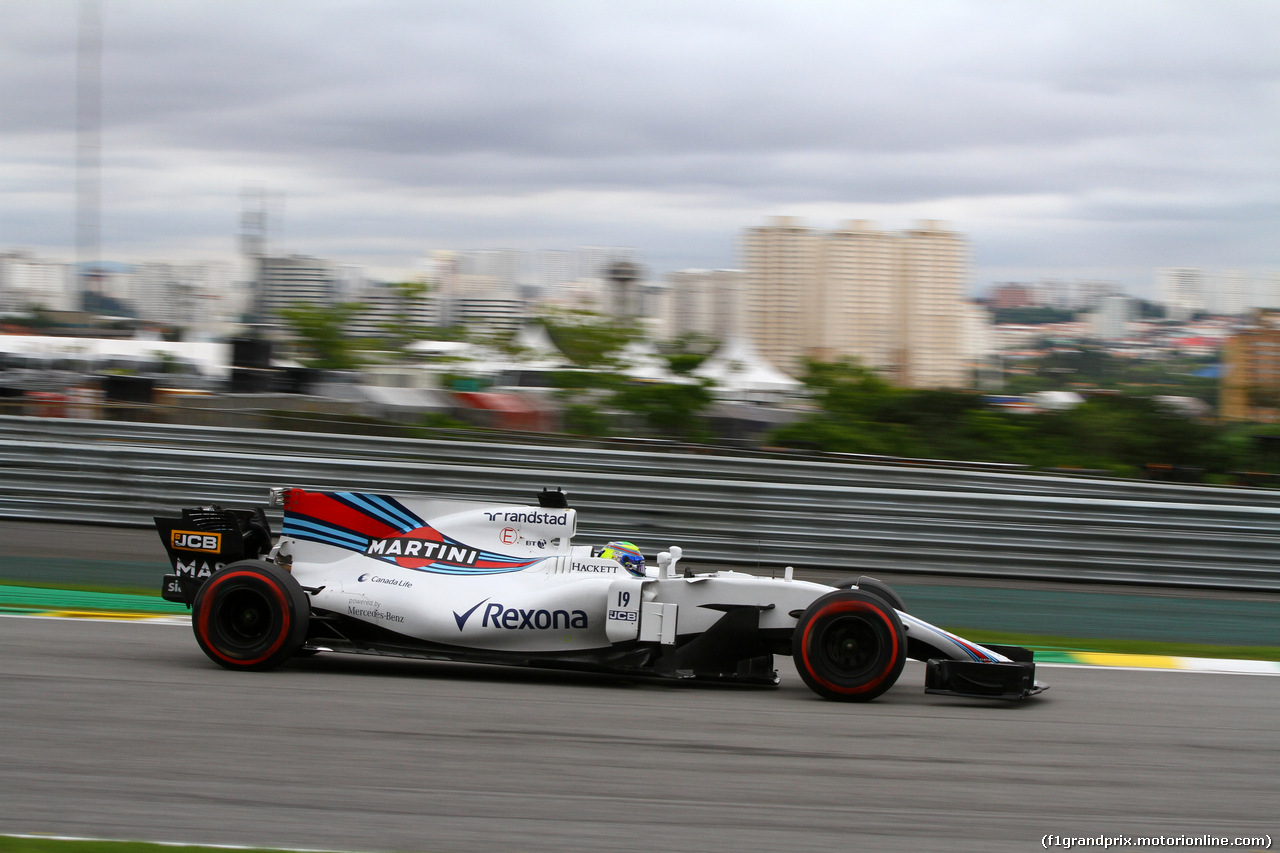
point(250, 615)
point(849, 646)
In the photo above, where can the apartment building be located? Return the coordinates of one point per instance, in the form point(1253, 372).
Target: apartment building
point(784, 291)
point(701, 302)
point(26, 280)
point(1251, 371)
point(895, 301)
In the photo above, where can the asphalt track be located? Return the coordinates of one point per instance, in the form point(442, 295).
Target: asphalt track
point(125, 730)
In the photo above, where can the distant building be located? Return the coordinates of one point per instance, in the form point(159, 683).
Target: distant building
point(1014, 295)
point(702, 302)
point(935, 271)
point(1182, 291)
point(199, 296)
point(1088, 295)
point(1250, 387)
point(1230, 293)
point(384, 306)
point(284, 282)
point(26, 280)
point(1054, 293)
point(894, 301)
point(782, 268)
point(1110, 321)
point(863, 300)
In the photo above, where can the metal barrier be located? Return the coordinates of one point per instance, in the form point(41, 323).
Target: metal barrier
point(749, 510)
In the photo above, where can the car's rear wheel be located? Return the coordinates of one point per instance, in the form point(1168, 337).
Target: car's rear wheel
point(250, 615)
point(849, 646)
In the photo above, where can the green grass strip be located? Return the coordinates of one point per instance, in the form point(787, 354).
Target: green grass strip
point(1055, 649)
point(14, 844)
point(146, 592)
point(39, 599)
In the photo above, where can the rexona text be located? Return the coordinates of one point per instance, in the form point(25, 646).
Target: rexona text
point(427, 549)
point(497, 616)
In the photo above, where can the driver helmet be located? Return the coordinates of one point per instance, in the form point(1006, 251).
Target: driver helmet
point(627, 554)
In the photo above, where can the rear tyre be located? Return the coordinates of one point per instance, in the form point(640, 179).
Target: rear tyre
point(250, 615)
point(849, 646)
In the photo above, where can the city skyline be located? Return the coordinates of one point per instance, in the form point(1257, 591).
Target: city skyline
point(1082, 142)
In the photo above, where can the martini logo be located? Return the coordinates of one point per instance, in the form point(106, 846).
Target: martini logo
point(422, 547)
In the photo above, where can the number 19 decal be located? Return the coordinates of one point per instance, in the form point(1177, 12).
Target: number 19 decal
point(624, 599)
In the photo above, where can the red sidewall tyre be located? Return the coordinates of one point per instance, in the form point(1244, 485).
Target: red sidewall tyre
point(250, 615)
point(849, 646)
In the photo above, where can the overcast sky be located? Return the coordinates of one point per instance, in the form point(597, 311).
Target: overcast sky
point(1065, 139)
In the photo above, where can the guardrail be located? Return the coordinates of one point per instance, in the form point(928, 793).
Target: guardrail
point(751, 510)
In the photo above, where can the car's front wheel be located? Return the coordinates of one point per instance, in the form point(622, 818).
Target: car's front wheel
point(250, 615)
point(849, 646)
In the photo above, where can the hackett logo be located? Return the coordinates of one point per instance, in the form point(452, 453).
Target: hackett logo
point(195, 540)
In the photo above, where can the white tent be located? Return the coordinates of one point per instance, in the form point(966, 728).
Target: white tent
point(541, 352)
point(739, 371)
point(643, 363)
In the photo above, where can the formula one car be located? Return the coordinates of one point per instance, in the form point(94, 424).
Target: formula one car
point(466, 581)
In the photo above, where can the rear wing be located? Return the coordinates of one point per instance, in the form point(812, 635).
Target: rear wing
point(205, 539)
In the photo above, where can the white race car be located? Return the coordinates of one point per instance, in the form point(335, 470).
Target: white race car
point(466, 581)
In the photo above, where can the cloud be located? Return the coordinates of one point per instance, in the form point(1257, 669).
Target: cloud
point(403, 126)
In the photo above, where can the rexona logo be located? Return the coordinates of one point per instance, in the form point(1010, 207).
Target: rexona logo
point(195, 540)
point(530, 517)
point(372, 578)
point(421, 547)
point(517, 619)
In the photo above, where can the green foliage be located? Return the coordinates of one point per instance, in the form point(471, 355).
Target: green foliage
point(401, 330)
point(1068, 368)
point(1126, 434)
point(1032, 316)
point(586, 419)
point(11, 844)
point(667, 409)
point(684, 363)
point(320, 333)
point(588, 339)
point(687, 352)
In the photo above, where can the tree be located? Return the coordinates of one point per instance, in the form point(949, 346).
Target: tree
point(589, 339)
point(686, 353)
point(668, 409)
point(403, 328)
point(320, 333)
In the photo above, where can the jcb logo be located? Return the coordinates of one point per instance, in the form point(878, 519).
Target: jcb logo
point(187, 540)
